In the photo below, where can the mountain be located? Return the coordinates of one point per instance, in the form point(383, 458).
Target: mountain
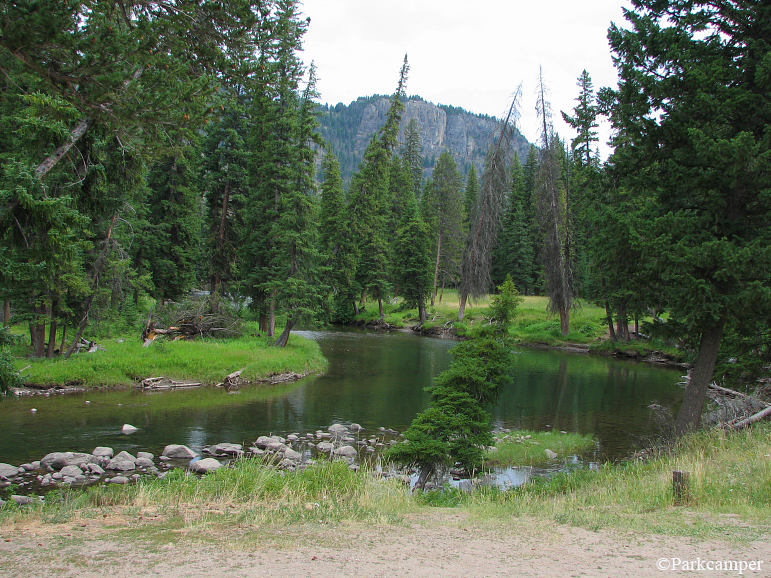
point(348, 130)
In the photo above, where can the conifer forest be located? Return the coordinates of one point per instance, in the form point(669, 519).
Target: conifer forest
point(153, 149)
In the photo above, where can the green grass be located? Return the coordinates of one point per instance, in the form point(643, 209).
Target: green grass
point(527, 448)
point(731, 490)
point(206, 361)
point(730, 476)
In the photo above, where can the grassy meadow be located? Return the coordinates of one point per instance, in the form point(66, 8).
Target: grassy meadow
point(208, 361)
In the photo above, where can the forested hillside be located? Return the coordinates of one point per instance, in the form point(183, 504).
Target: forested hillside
point(347, 130)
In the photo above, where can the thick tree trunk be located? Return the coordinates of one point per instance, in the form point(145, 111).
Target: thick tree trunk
point(564, 318)
point(217, 277)
point(380, 307)
point(263, 322)
point(355, 307)
point(40, 340)
point(422, 312)
point(283, 339)
point(689, 417)
point(425, 471)
point(462, 308)
point(609, 317)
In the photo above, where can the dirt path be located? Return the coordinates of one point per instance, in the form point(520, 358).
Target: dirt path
point(443, 544)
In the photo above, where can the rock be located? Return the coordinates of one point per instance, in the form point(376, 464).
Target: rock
point(287, 464)
point(145, 455)
point(325, 447)
point(292, 437)
point(276, 447)
point(27, 467)
point(128, 428)
point(205, 465)
point(118, 480)
point(356, 428)
point(346, 451)
point(58, 460)
point(337, 429)
point(550, 454)
point(95, 469)
point(125, 456)
point(257, 451)
point(179, 452)
point(144, 463)
point(290, 454)
point(121, 465)
point(8, 471)
point(72, 472)
point(228, 449)
point(23, 500)
point(103, 452)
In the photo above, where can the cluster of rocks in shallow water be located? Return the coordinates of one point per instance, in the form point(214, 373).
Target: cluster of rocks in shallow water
point(294, 452)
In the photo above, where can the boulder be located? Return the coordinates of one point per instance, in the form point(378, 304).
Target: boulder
point(178, 452)
point(346, 451)
point(95, 469)
point(125, 456)
point(228, 450)
point(205, 465)
point(276, 447)
point(121, 465)
point(550, 454)
point(128, 428)
point(325, 447)
point(290, 454)
point(356, 428)
point(103, 452)
point(8, 471)
point(23, 500)
point(144, 463)
point(118, 480)
point(58, 460)
point(337, 429)
point(145, 455)
point(71, 472)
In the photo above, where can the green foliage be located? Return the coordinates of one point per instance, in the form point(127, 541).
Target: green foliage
point(9, 377)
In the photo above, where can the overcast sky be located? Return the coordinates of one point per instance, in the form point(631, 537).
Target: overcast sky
point(471, 54)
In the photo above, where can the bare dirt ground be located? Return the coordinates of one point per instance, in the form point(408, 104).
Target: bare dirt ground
point(444, 543)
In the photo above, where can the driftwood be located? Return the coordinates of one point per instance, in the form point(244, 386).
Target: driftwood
point(739, 394)
point(160, 383)
point(232, 381)
point(739, 424)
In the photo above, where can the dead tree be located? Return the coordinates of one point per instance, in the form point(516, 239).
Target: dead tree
point(552, 204)
point(486, 216)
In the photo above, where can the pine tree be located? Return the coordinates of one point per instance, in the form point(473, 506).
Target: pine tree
point(584, 120)
point(693, 109)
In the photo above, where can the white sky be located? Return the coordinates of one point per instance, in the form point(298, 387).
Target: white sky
point(471, 54)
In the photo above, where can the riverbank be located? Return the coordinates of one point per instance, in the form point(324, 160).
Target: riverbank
point(533, 326)
point(330, 520)
point(122, 363)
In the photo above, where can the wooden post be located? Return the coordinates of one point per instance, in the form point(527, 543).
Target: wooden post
point(681, 487)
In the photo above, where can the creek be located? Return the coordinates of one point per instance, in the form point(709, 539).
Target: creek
point(374, 379)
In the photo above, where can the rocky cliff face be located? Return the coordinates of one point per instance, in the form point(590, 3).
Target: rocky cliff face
point(349, 129)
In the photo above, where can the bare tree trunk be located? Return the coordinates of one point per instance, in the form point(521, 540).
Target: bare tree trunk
point(564, 318)
point(436, 268)
point(689, 417)
point(283, 339)
point(263, 321)
point(272, 318)
point(40, 340)
point(7, 313)
point(355, 307)
point(380, 307)
point(462, 308)
point(51, 339)
point(43, 169)
point(217, 276)
point(422, 312)
point(425, 471)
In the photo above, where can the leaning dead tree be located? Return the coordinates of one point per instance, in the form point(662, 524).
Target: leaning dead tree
point(485, 221)
point(553, 208)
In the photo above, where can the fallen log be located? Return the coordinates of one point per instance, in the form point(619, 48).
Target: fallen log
point(731, 392)
point(750, 420)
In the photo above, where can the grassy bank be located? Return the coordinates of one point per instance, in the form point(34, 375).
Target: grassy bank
point(527, 448)
point(208, 361)
point(730, 491)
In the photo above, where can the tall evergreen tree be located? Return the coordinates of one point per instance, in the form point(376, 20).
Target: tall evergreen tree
point(693, 110)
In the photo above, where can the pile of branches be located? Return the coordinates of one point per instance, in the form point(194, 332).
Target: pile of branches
point(202, 317)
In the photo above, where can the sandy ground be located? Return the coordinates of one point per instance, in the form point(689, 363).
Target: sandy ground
point(443, 544)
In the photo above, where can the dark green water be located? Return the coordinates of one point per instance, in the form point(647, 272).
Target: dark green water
point(375, 379)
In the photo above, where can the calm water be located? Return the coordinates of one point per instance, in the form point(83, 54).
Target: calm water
point(375, 379)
